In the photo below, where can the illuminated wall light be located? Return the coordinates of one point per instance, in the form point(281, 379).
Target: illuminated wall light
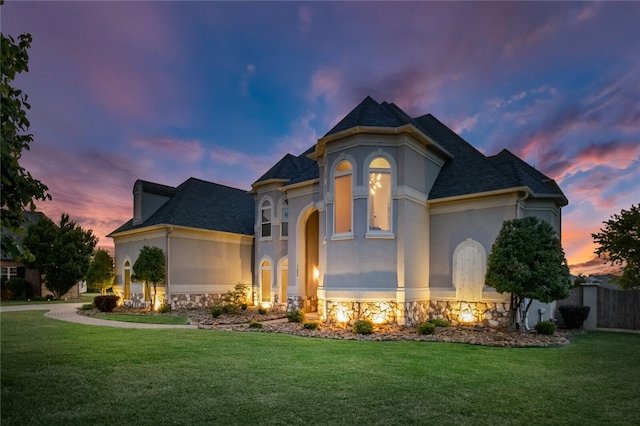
point(342, 314)
point(467, 317)
point(316, 273)
point(265, 305)
point(379, 318)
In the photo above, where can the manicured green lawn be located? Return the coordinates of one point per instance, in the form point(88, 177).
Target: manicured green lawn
point(145, 319)
point(84, 298)
point(58, 373)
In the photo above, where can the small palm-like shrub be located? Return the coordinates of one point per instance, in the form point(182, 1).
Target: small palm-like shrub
point(363, 327)
point(311, 325)
point(296, 316)
point(546, 327)
point(106, 303)
point(255, 324)
point(426, 328)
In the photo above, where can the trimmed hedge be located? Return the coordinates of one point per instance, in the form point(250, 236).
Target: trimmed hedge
point(296, 316)
point(363, 327)
point(574, 316)
point(548, 328)
point(106, 303)
point(426, 328)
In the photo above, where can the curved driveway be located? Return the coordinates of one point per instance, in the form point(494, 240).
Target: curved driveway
point(68, 312)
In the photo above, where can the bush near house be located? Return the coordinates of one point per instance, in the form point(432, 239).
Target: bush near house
point(574, 316)
point(548, 328)
point(16, 288)
point(363, 327)
point(311, 325)
point(439, 322)
point(216, 311)
point(296, 316)
point(426, 328)
point(262, 310)
point(255, 324)
point(106, 303)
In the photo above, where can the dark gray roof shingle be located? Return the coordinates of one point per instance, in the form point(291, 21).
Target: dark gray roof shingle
point(204, 205)
point(289, 167)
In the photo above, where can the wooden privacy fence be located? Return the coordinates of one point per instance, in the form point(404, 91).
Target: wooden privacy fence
point(610, 307)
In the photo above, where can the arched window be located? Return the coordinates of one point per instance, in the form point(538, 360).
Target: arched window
point(284, 218)
point(342, 198)
point(265, 280)
point(379, 195)
point(265, 219)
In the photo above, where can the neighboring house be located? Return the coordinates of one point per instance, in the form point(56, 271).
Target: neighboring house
point(10, 267)
point(387, 217)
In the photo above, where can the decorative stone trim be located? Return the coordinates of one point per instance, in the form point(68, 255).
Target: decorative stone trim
point(302, 303)
point(458, 312)
point(416, 312)
point(349, 312)
point(187, 300)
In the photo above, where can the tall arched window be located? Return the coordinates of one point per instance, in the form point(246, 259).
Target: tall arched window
point(284, 218)
point(379, 195)
point(342, 198)
point(265, 280)
point(265, 219)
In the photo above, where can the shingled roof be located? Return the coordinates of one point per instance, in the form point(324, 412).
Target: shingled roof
point(288, 168)
point(204, 205)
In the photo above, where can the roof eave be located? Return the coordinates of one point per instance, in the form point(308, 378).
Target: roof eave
point(407, 128)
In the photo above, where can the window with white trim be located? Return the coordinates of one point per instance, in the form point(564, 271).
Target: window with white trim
point(343, 198)
point(265, 219)
point(380, 195)
point(8, 272)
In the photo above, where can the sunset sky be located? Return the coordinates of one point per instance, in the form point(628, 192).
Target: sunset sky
point(164, 91)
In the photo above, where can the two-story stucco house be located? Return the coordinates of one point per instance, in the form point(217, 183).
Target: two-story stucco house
point(386, 217)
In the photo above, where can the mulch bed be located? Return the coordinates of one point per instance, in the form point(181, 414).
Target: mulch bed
point(275, 322)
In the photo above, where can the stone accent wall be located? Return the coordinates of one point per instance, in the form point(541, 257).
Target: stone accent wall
point(186, 301)
point(349, 312)
point(136, 301)
point(457, 312)
point(416, 312)
point(302, 303)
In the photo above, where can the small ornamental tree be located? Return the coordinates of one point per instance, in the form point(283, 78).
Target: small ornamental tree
point(61, 252)
point(149, 268)
point(100, 275)
point(527, 261)
point(619, 244)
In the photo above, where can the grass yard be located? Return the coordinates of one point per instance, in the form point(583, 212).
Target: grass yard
point(57, 373)
point(144, 319)
point(84, 298)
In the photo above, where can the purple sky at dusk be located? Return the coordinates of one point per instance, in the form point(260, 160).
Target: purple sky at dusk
point(164, 91)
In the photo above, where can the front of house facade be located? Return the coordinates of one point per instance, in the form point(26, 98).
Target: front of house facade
point(387, 217)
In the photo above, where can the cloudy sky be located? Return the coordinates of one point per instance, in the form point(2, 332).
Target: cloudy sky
point(163, 91)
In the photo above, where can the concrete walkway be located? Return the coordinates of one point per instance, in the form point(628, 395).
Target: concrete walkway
point(68, 312)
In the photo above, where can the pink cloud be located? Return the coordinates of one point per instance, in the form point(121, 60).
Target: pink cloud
point(189, 151)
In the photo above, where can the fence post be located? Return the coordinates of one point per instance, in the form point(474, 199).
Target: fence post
point(590, 298)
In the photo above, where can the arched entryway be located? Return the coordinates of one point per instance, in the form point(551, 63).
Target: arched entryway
point(312, 249)
point(283, 279)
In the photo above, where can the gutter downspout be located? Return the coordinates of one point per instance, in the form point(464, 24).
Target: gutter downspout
point(519, 203)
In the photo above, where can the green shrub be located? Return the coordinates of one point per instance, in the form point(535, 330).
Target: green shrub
point(243, 306)
point(230, 309)
point(311, 325)
point(87, 307)
point(363, 327)
point(546, 327)
point(164, 309)
point(574, 316)
point(255, 324)
point(216, 311)
point(106, 303)
point(439, 322)
point(426, 328)
point(262, 310)
point(296, 316)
